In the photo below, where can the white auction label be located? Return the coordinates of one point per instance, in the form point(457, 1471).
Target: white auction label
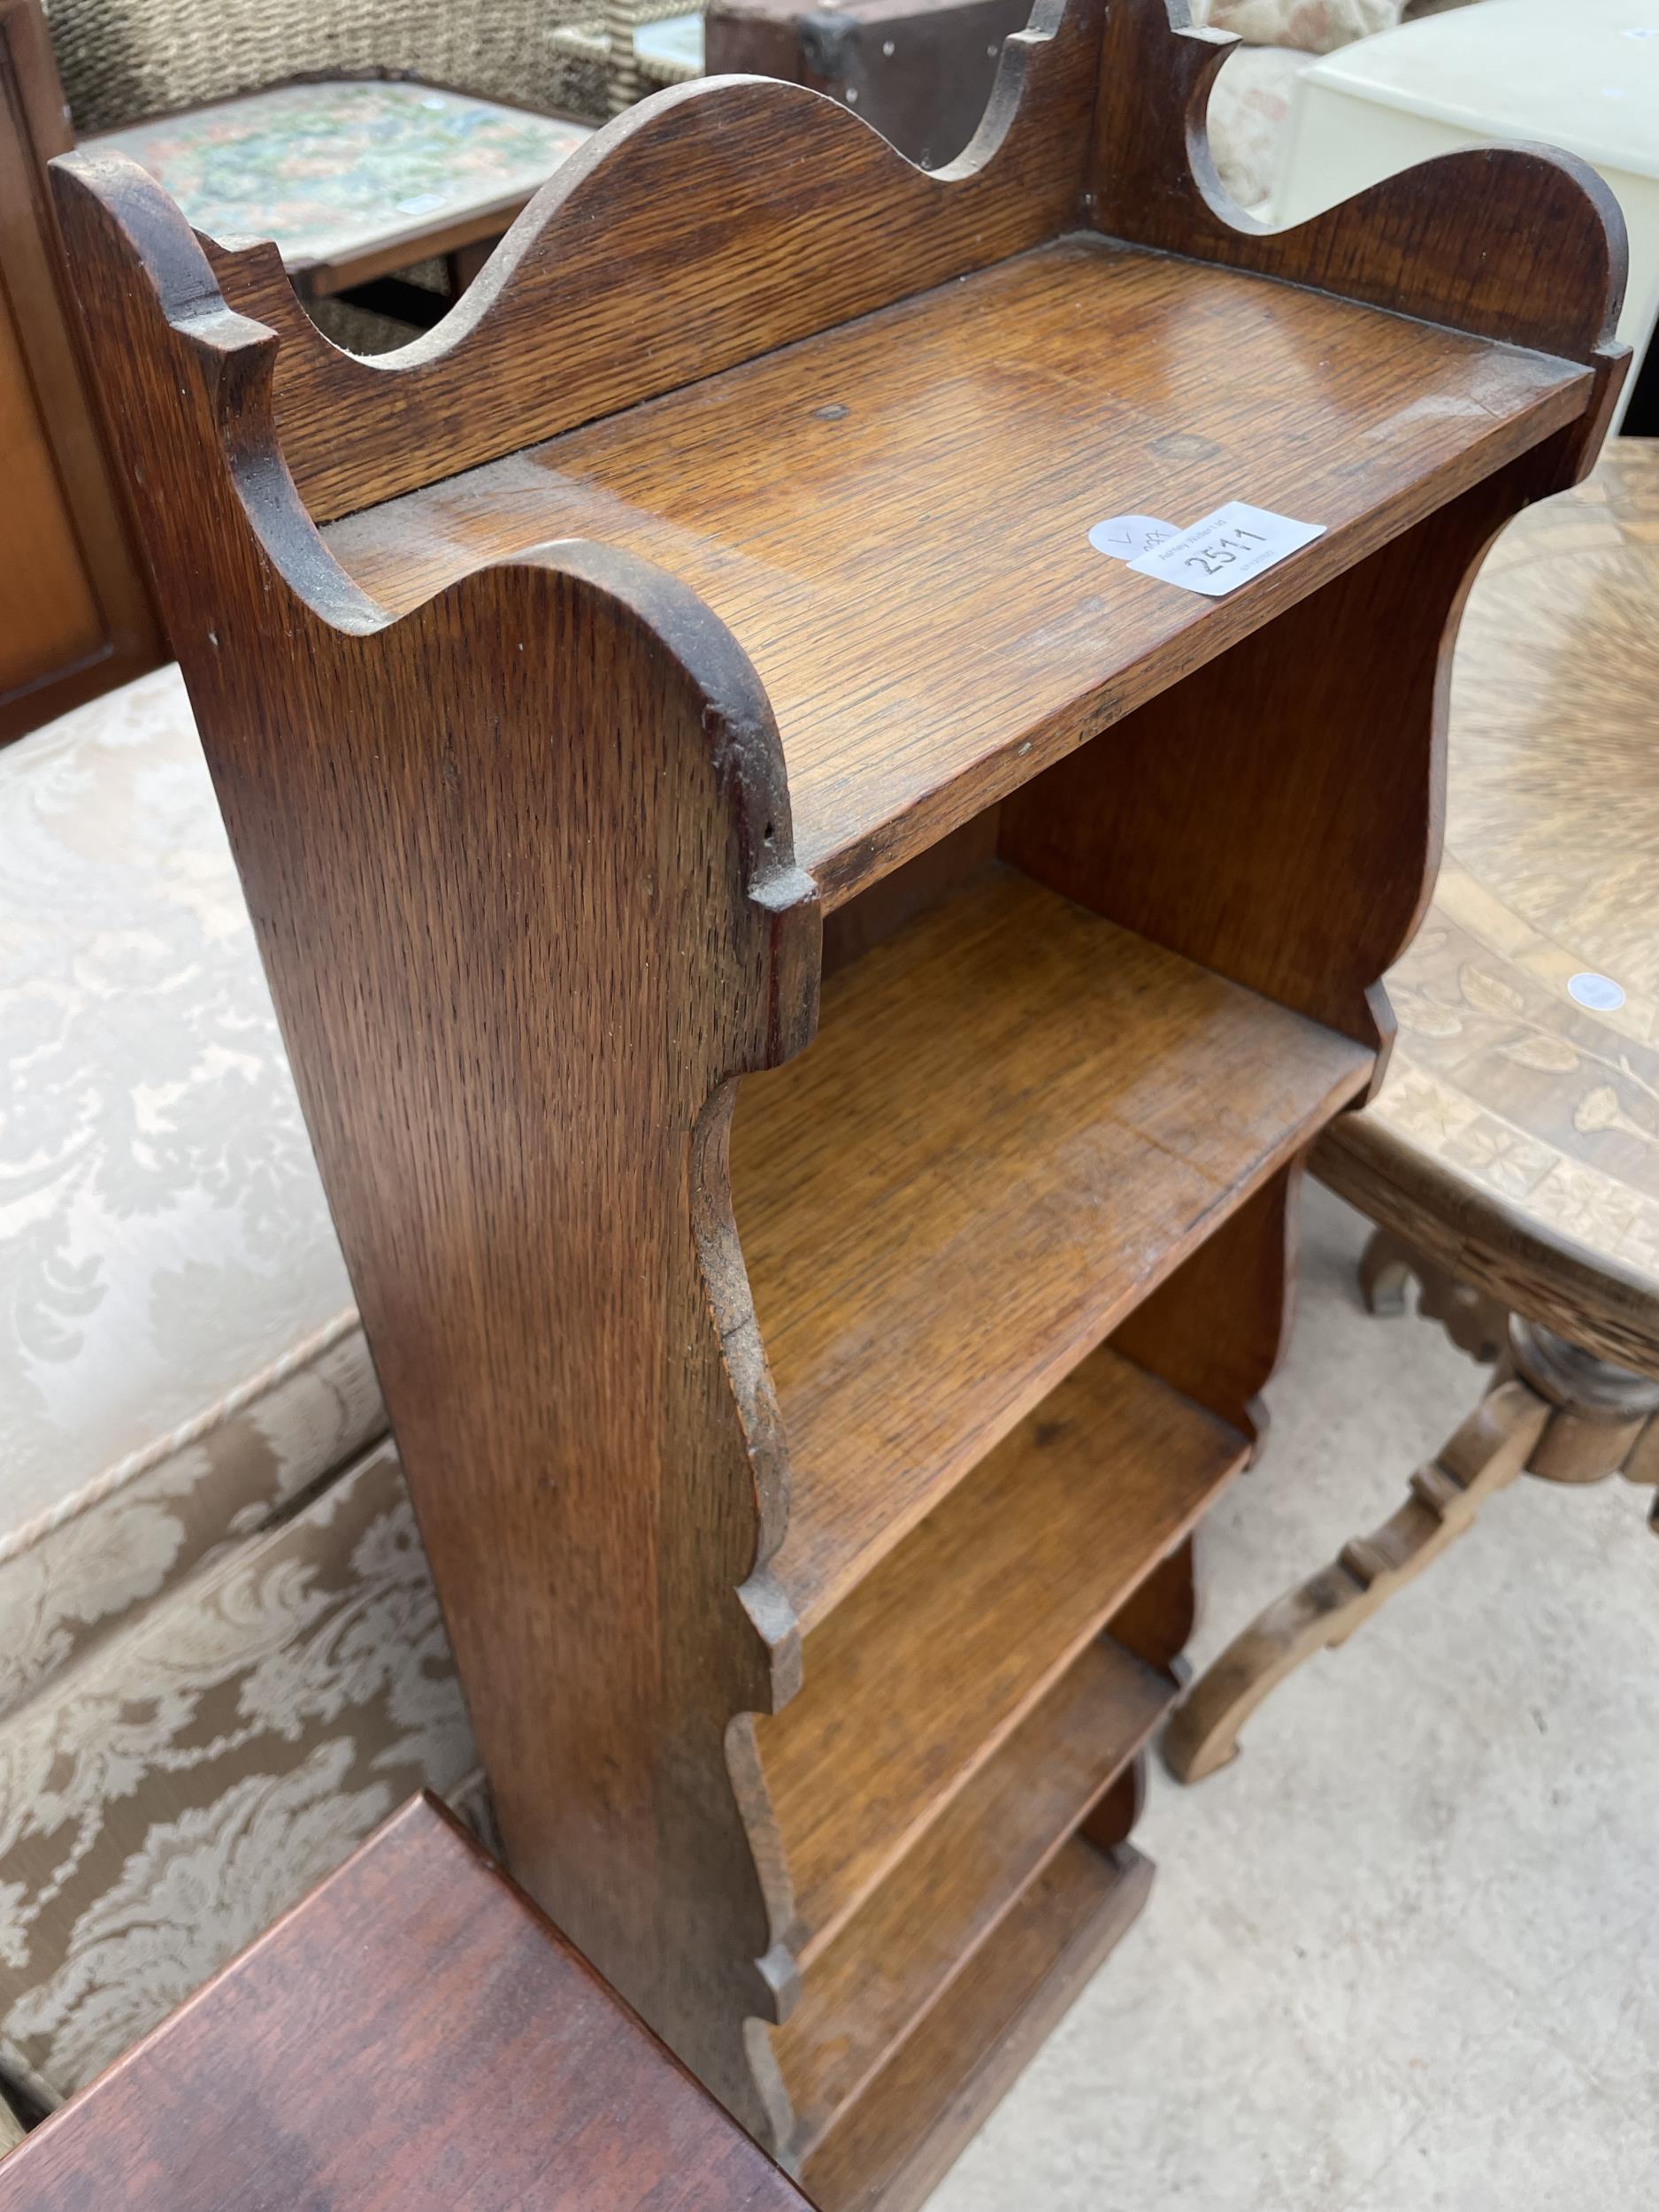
point(1226, 549)
point(1122, 536)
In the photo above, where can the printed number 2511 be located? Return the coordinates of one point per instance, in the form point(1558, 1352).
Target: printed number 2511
point(1221, 552)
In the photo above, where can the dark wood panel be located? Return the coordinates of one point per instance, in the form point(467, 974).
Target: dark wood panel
point(1216, 1328)
point(919, 72)
point(75, 613)
point(51, 627)
point(414, 2038)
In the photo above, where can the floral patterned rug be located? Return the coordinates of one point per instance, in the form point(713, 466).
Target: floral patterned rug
point(332, 170)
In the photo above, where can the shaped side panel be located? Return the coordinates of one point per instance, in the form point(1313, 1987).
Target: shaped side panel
point(520, 868)
point(1277, 816)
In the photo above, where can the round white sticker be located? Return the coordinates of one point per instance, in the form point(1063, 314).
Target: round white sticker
point(1599, 991)
point(1124, 536)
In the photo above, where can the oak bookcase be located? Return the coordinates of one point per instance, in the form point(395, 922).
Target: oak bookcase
point(810, 985)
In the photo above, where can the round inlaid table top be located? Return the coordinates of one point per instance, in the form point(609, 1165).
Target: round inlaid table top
point(1516, 1140)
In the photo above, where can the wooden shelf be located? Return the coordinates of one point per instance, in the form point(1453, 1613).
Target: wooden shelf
point(1015, 1120)
point(893, 516)
point(725, 551)
point(908, 2127)
point(896, 1958)
point(914, 1682)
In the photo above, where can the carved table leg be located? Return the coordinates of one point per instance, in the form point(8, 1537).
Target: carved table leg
point(1474, 1322)
point(1487, 1452)
point(1641, 1467)
point(1385, 1266)
point(1606, 1418)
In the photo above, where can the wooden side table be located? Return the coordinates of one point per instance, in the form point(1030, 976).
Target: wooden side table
point(414, 2035)
point(1512, 1158)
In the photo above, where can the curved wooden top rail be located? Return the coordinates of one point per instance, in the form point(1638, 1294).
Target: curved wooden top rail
point(807, 218)
point(1515, 243)
point(595, 299)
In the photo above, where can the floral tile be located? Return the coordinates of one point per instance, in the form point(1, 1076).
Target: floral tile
point(332, 170)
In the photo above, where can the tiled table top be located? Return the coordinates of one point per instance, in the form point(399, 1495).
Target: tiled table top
point(671, 48)
point(332, 171)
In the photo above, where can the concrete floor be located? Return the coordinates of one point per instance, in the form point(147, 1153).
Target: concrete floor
point(1404, 1954)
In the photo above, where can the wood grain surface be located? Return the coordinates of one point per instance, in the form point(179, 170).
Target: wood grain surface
point(894, 517)
point(1516, 1140)
point(791, 215)
point(919, 70)
point(413, 2037)
point(901, 1954)
point(1323, 894)
point(530, 828)
point(1015, 1121)
point(1215, 1330)
point(914, 1681)
point(516, 996)
point(907, 2129)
